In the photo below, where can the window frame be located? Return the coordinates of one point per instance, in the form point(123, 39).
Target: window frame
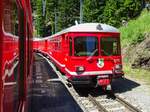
point(85, 36)
point(118, 45)
point(12, 23)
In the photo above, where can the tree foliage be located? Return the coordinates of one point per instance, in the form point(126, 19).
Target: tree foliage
point(68, 12)
point(40, 23)
point(93, 10)
point(61, 14)
point(111, 11)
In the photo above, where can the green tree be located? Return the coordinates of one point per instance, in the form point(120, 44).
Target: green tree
point(109, 13)
point(93, 10)
point(65, 12)
point(51, 5)
point(39, 18)
point(132, 7)
point(68, 12)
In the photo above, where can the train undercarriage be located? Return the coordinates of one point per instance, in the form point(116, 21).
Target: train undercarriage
point(103, 81)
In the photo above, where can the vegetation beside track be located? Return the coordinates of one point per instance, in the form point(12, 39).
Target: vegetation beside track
point(136, 29)
point(137, 74)
point(136, 47)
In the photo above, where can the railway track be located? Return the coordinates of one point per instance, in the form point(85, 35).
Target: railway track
point(127, 105)
point(102, 103)
point(99, 103)
point(114, 104)
point(99, 106)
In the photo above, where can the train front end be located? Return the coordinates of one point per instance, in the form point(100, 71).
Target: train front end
point(94, 56)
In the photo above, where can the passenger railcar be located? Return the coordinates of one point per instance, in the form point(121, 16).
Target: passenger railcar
point(88, 53)
point(15, 54)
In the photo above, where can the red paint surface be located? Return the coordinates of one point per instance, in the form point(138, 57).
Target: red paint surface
point(59, 54)
point(10, 98)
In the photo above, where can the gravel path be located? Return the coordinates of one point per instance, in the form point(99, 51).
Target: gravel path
point(135, 92)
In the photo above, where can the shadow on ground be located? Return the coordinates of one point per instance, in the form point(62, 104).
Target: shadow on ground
point(119, 86)
point(49, 96)
point(123, 85)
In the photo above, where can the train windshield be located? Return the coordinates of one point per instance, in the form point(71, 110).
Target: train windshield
point(110, 46)
point(86, 46)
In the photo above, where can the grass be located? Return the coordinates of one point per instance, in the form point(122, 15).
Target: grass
point(135, 30)
point(138, 74)
point(134, 33)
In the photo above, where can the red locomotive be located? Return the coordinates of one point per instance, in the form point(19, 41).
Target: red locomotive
point(88, 53)
point(15, 54)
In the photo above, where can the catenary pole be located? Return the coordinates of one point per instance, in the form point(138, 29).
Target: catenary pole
point(81, 11)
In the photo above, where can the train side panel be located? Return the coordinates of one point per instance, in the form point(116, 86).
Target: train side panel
point(57, 50)
point(15, 54)
point(9, 58)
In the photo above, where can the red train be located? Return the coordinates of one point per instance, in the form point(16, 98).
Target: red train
point(15, 54)
point(88, 53)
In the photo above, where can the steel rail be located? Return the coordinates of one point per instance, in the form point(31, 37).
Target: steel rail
point(100, 107)
point(127, 105)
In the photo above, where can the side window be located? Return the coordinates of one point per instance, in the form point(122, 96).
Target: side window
point(10, 17)
point(70, 46)
point(57, 42)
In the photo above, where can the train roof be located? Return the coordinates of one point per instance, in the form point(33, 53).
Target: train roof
point(40, 39)
point(85, 27)
point(89, 27)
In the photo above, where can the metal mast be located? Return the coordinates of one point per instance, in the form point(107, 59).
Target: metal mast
point(55, 11)
point(81, 11)
point(44, 6)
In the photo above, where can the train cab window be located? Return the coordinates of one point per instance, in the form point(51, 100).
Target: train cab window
point(110, 46)
point(86, 46)
point(10, 17)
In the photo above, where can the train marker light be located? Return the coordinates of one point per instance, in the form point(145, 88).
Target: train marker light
point(119, 66)
point(66, 59)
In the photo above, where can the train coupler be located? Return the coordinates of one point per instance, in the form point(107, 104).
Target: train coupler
point(107, 88)
point(104, 82)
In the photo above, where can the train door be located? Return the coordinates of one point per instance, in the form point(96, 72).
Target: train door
point(28, 75)
point(28, 50)
point(22, 59)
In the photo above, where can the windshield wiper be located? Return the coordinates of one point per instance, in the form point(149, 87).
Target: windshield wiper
point(106, 53)
point(92, 54)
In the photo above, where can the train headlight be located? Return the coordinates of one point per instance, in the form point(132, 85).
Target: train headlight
point(80, 69)
point(118, 66)
point(66, 59)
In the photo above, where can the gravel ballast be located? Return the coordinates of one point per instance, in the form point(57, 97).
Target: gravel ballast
point(135, 92)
